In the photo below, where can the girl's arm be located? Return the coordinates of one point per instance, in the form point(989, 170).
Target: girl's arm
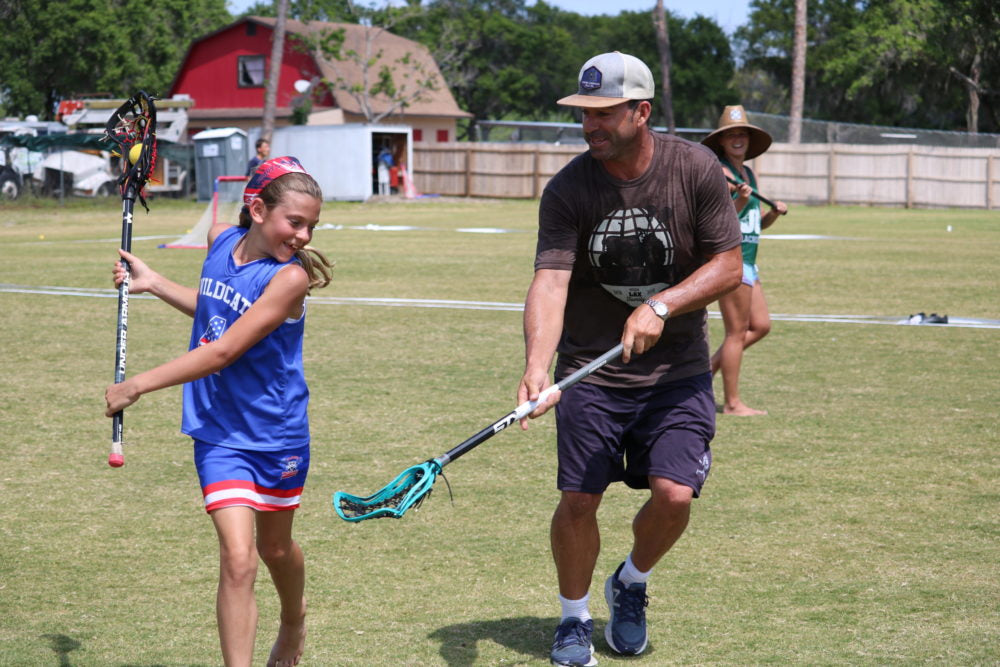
point(282, 297)
point(743, 189)
point(768, 218)
point(144, 279)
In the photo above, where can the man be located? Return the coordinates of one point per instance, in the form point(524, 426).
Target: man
point(263, 147)
point(636, 236)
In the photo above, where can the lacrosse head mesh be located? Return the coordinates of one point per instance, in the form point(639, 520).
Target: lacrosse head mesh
point(409, 489)
point(134, 124)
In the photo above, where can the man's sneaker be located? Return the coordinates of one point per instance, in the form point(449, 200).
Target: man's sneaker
point(572, 646)
point(626, 628)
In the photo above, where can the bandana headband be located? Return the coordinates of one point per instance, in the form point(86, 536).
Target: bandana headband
point(268, 171)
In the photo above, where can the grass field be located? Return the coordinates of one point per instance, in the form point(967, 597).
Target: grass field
point(858, 523)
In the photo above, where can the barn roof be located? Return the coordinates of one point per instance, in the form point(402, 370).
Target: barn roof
point(390, 49)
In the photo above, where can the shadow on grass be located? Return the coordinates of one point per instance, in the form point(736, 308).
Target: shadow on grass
point(63, 646)
point(530, 636)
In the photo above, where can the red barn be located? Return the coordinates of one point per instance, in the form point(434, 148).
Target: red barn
point(224, 74)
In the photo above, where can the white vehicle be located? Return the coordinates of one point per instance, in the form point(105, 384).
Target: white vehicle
point(82, 173)
point(94, 173)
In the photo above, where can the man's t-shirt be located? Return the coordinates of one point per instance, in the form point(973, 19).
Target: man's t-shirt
point(627, 240)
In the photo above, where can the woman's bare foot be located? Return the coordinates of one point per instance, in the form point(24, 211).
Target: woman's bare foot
point(741, 410)
point(288, 647)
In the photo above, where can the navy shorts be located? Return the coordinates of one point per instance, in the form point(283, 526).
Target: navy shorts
point(610, 435)
point(267, 481)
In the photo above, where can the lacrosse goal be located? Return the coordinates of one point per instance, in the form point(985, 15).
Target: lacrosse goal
point(227, 199)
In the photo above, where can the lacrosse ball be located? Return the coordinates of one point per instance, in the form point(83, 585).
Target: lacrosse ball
point(41, 237)
point(134, 153)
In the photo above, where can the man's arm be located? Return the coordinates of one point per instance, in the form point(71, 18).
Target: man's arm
point(720, 274)
point(543, 323)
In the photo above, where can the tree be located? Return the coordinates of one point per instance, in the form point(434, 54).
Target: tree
point(381, 84)
point(663, 46)
point(51, 50)
point(274, 76)
point(908, 63)
point(500, 59)
point(798, 72)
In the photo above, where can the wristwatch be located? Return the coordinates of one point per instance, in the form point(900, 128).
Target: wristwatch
point(659, 308)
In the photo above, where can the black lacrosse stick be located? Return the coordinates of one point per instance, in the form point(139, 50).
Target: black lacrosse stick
point(132, 127)
point(134, 124)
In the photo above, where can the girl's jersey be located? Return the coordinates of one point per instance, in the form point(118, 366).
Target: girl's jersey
point(749, 217)
point(259, 401)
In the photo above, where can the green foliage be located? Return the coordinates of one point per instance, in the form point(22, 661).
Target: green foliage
point(888, 62)
point(51, 50)
point(504, 59)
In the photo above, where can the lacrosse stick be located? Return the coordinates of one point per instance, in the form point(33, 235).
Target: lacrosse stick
point(414, 484)
point(132, 127)
point(753, 192)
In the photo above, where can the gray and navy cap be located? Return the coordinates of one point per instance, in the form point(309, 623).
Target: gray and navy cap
point(610, 79)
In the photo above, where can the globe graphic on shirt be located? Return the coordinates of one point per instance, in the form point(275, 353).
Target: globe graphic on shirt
point(632, 254)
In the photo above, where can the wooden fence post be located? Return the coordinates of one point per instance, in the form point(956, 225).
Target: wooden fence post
point(468, 172)
point(536, 156)
point(989, 181)
point(831, 176)
point(909, 177)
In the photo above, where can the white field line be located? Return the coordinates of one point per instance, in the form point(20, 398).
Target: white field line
point(51, 290)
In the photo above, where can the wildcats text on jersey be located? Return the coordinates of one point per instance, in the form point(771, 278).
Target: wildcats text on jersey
point(220, 291)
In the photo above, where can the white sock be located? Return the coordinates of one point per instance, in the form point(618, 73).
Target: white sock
point(630, 574)
point(575, 608)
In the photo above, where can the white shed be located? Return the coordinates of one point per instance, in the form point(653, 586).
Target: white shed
point(343, 158)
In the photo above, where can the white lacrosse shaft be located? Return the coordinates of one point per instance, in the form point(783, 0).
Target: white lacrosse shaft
point(528, 407)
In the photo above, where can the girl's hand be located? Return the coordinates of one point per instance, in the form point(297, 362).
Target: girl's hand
point(119, 396)
point(142, 276)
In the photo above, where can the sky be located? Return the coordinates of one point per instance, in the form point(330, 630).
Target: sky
point(729, 14)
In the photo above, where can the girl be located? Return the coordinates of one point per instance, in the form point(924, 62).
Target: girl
point(744, 310)
point(245, 394)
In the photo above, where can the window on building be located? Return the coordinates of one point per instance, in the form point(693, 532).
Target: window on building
point(442, 136)
point(250, 71)
point(418, 134)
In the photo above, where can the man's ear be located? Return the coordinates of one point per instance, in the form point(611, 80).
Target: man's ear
point(644, 111)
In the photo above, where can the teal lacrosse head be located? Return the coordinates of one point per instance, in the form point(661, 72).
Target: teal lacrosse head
point(409, 489)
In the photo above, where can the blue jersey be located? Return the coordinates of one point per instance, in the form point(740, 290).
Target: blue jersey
point(259, 401)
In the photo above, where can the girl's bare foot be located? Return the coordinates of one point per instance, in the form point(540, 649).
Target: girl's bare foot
point(288, 647)
point(741, 410)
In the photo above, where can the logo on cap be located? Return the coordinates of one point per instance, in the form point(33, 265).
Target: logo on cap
point(590, 79)
point(736, 114)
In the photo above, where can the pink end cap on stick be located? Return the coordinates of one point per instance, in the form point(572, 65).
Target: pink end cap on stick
point(116, 460)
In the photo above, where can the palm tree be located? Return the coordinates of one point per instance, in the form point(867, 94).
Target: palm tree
point(271, 90)
point(798, 73)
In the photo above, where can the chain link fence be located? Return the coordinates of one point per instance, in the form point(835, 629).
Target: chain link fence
point(813, 132)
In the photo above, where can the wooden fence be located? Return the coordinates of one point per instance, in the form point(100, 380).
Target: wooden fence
point(890, 175)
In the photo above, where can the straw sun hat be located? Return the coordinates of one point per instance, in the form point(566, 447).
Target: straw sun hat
point(736, 116)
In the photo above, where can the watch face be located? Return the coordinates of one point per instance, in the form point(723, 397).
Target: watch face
point(658, 307)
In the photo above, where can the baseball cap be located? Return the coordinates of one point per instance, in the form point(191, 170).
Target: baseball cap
point(610, 79)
